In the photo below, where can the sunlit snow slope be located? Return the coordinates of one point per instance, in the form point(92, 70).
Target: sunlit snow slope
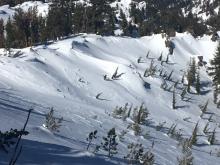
point(68, 75)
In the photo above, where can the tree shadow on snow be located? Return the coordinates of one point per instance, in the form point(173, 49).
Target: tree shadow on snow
point(50, 154)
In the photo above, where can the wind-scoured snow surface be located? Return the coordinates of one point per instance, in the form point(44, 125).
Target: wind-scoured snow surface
point(67, 75)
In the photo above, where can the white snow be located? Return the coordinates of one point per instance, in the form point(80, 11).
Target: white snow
point(68, 74)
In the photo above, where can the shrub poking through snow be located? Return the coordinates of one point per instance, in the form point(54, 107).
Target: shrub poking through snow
point(116, 75)
point(136, 128)
point(147, 158)
point(174, 133)
point(151, 70)
point(139, 60)
point(187, 157)
point(160, 126)
point(136, 155)
point(122, 134)
point(52, 123)
point(122, 112)
point(91, 137)
point(109, 143)
point(140, 114)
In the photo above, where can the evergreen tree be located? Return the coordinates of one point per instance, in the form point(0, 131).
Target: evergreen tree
point(123, 23)
point(167, 59)
point(215, 72)
point(183, 94)
point(22, 28)
point(191, 74)
point(10, 35)
point(183, 78)
point(140, 114)
point(34, 26)
point(52, 123)
point(110, 143)
point(102, 18)
point(81, 23)
point(174, 100)
point(215, 93)
point(2, 38)
point(161, 57)
point(198, 83)
point(204, 108)
point(193, 138)
point(91, 137)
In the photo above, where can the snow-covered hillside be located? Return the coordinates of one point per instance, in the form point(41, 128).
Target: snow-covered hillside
point(68, 75)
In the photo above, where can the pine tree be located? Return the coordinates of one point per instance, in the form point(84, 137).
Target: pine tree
point(136, 151)
point(140, 114)
point(2, 38)
point(215, 72)
point(167, 59)
point(22, 28)
point(191, 74)
point(174, 100)
point(215, 93)
point(123, 23)
point(193, 138)
point(10, 35)
point(183, 77)
point(198, 83)
point(34, 26)
point(161, 57)
point(52, 123)
point(136, 128)
point(110, 143)
point(91, 137)
point(204, 107)
point(170, 75)
point(183, 94)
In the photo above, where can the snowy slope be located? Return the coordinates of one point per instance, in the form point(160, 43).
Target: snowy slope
point(68, 75)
